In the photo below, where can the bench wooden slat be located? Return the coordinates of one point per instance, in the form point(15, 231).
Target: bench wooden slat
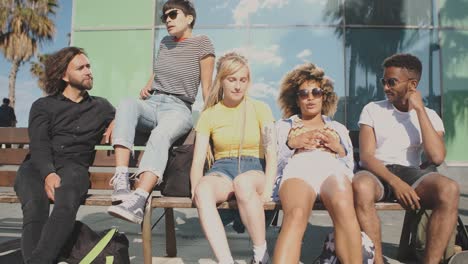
point(91, 199)
point(183, 202)
point(99, 180)
point(12, 156)
point(7, 178)
point(103, 158)
point(14, 135)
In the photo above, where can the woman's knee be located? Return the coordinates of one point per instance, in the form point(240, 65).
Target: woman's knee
point(204, 195)
point(297, 216)
point(244, 187)
point(340, 204)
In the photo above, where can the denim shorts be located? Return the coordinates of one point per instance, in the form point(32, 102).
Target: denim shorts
point(412, 176)
point(228, 168)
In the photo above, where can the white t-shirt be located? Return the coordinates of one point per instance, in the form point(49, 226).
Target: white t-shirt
point(398, 134)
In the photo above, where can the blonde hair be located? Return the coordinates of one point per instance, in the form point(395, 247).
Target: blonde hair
point(291, 82)
point(227, 64)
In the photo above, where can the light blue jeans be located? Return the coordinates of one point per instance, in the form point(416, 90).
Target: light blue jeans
point(166, 116)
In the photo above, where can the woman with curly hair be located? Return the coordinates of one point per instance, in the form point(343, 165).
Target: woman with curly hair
point(244, 144)
point(315, 160)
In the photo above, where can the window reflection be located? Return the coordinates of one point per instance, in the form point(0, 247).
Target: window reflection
point(389, 12)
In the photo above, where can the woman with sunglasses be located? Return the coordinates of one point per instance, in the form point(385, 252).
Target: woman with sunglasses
point(315, 159)
point(183, 62)
point(244, 144)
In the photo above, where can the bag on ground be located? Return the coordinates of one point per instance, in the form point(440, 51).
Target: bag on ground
point(86, 246)
point(328, 255)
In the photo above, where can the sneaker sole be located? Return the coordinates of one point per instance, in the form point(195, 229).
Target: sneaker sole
point(119, 197)
point(124, 215)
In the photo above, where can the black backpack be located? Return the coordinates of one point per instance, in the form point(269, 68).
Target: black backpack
point(108, 246)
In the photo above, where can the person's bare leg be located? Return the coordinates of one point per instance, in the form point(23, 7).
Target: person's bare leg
point(440, 194)
point(147, 180)
point(210, 191)
point(248, 188)
point(297, 200)
point(337, 195)
point(122, 156)
point(366, 192)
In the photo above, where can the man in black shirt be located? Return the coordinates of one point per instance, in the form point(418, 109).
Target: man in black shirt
point(7, 114)
point(64, 128)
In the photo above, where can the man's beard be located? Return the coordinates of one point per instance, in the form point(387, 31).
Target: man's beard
point(83, 85)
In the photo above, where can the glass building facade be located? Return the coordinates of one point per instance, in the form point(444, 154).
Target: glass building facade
point(349, 39)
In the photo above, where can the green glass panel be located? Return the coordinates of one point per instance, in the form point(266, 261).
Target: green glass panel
point(453, 13)
point(455, 97)
point(389, 12)
point(113, 13)
point(364, 70)
point(121, 61)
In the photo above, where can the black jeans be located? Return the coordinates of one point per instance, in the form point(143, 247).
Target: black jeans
point(44, 236)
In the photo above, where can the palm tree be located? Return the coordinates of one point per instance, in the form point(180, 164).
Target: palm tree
point(37, 70)
point(23, 25)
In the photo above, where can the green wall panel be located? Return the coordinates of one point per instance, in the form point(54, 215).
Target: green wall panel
point(455, 93)
point(113, 13)
point(121, 61)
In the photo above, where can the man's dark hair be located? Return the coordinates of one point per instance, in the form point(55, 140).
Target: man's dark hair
point(56, 67)
point(6, 101)
point(185, 5)
point(406, 61)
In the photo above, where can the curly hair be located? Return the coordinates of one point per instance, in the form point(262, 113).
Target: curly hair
point(227, 64)
point(291, 82)
point(185, 5)
point(406, 61)
point(55, 68)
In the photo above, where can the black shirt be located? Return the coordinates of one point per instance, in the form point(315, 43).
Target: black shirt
point(7, 116)
point(61, 130)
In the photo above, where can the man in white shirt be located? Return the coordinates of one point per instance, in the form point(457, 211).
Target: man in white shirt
point(393, 135)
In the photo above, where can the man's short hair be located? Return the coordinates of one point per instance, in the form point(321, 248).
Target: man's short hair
point(6, 101)
point(185, 5)
point(406, 61)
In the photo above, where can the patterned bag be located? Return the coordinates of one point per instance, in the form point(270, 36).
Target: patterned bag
point(328, 255)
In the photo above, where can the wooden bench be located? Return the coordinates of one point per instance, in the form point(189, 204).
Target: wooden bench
point(10, 158)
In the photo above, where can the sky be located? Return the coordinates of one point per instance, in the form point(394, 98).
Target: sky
point(27, 90)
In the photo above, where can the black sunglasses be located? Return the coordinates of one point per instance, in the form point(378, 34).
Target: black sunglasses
point(304, 93)
point(392, 82)
point(173, 15)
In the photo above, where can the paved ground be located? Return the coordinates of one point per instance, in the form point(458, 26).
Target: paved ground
point(192, 246)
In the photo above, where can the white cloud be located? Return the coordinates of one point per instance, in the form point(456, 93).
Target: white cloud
point(303, 55)
point(246, 7)
point(221, 6)
point(273, 3)
point(317, 2)
point(264, 55)
point(243, 9)
point(263, 90)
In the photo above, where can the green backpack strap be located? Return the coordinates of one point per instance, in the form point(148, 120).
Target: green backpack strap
point(99, 247)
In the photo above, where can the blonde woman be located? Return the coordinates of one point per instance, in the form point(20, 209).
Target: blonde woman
point(315, 160)
point(242, 132)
